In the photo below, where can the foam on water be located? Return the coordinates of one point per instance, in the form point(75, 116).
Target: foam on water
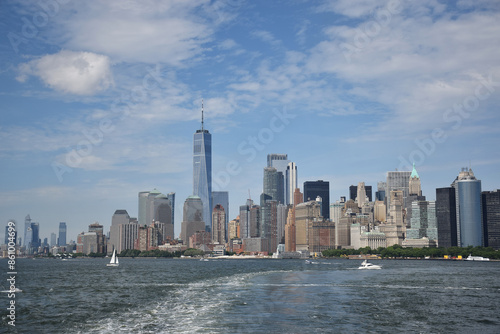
point(190, 308)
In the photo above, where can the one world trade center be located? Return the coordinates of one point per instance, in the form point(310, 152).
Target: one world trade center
point(202, 170)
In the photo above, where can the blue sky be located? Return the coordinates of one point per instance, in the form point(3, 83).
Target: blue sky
point(100, 99)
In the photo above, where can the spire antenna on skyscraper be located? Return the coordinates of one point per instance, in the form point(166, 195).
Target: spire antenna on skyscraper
point(201, 114)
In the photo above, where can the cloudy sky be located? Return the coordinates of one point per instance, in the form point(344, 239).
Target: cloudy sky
point(100, 99)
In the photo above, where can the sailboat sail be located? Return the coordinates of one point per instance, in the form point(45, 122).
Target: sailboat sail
point(114, 260)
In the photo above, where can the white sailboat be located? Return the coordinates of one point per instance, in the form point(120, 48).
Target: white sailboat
point(114, 260)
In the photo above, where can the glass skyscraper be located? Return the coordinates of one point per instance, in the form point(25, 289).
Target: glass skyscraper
point(446, 214)
point(62, 234)
point(202, 171)
point(491, 218)
point(320, 188)
point(468, 194)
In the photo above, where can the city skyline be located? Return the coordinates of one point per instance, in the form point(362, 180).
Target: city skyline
point(87, 126)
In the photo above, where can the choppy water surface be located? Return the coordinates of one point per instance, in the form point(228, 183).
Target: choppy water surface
point(252, 296)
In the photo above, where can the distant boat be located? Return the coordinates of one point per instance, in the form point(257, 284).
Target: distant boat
point(366, 265)
point(114, 260)
point(476, 258)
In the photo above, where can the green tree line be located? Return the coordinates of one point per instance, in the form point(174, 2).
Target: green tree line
point(397, 251)
point(150, 253)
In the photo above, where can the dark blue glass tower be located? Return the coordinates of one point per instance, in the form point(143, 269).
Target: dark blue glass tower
point(62, 234)
point(202, 171)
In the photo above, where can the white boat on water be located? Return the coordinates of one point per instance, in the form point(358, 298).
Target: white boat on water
point(476, 258)
point(367, 265)
point(114, 260)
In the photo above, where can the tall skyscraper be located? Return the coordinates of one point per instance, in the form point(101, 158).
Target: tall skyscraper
point(290, 182)
point(245, 219)
point(192, 220)
point(414, 184)
point(361, 196)
point(305, 214)
point(414, 195)
point(336, 210)
point(423, 221)
point(162, 213)
point(222, 198)
point(218, 224)
point(280, 162)
point(171, 197)
point(127, 234)
point(271, 183)
point(98, 229)
point(446, 215)
point(146, 206)
point(61, 241)
point(254, 222)
point(202, 171)
point(395, 229)
point(397, 180)
point(27, 224)
point(119, 217)
point(468, 194)
point(53, 239)
point(290, 228)
point(313, 189)
point(491, 218)
point(29, 238)
point(157, 207)
point(35, 241)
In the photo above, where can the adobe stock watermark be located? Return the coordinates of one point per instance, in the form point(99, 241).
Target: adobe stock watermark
point(368, 31)
point(31, 25)
point(121, 108)
point(453, 116)
point(253, 144)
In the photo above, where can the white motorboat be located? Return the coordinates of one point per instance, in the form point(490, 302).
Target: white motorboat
point(476, 258)
point(367, 265)
point(114, 260)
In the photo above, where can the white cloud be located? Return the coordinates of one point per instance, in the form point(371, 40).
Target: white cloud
point(266, 36)
point(349, 8)
point(150, 31)
point(416, 66)
point(81, 73)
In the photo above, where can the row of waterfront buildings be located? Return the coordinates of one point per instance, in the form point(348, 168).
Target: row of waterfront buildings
point(292, 221)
